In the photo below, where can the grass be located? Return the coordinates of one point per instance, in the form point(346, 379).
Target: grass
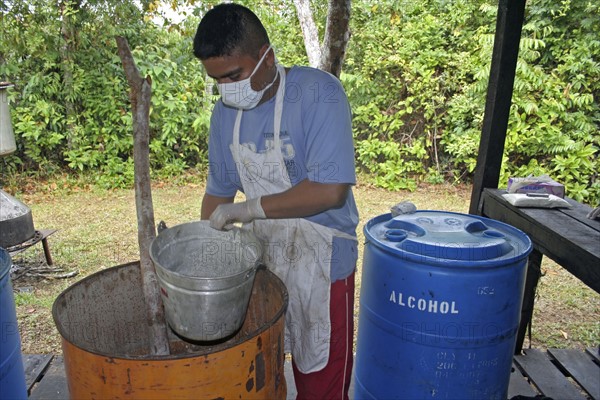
point(97, 229)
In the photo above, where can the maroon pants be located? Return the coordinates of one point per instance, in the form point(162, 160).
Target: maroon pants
point(333, 381)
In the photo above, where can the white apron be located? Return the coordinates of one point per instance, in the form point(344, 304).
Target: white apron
point(296, 250)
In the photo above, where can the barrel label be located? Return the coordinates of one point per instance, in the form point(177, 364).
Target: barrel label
point(425, 305)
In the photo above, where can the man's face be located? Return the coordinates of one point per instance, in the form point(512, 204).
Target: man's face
point(237, 67)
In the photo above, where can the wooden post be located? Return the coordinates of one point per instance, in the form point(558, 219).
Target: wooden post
point(509, 23)
point(534, 273)
point(139, 95)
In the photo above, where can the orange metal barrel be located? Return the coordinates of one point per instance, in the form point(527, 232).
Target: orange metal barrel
point(102, 324)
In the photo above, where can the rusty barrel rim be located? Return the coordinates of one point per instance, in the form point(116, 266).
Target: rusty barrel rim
point(209, 349)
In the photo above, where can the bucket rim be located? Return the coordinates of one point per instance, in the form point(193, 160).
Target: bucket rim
point(209, 350)
point(154, 256)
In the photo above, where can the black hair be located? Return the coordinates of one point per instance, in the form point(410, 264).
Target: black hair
point(227, 29)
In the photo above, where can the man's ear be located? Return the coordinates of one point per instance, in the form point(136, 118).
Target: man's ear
point(270, 57)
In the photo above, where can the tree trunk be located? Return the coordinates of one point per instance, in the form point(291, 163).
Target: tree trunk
point(140, 94)
point(337, 35)
point(3, 77)
point(67, 33)
point(309, 31)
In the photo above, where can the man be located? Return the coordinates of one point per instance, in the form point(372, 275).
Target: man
point(283, 137)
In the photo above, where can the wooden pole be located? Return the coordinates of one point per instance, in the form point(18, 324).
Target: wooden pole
point(139, 95)
point(509, 23)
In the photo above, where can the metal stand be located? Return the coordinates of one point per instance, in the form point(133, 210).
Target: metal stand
point(40, 236)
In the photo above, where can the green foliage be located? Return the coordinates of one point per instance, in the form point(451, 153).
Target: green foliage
point(389, 168)
point(406, 62)
point(555, 116)
point(71, 108)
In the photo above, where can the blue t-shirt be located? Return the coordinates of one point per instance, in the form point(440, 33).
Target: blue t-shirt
point(316, 143)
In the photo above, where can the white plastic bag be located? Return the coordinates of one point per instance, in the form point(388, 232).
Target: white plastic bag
point(536, 200)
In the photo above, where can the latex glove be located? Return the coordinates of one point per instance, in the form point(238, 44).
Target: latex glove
point(227, 214)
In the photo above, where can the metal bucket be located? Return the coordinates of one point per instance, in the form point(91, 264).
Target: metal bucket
point(205, 277)
point(105, 342)
point(12, 375)
point(440, 304)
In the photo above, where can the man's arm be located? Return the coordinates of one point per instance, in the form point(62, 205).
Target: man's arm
point(210, 203)
point(305, 199)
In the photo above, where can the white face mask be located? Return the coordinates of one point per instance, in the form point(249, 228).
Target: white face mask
point(240, 94)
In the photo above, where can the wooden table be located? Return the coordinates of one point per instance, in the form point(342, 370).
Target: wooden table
point(558, 374)
point(565, 235)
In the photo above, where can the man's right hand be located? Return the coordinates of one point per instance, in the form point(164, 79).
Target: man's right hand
point(226, 215)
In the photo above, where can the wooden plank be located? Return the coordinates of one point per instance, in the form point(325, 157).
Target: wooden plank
point(34, 366)
point(576, 215)
point(576, 233)
point(579, 212)
point(53, 385)
point(509, 22)
point(573, 246)
point(594, 352)
point(519, 385)
point(546, 377)
point(549, 222)
point(581, 367)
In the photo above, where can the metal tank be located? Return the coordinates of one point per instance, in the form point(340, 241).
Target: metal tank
point(16, 221)
point(7, 137)
point(440, 303)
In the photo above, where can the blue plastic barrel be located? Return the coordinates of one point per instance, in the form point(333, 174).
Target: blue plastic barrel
point(12, 375)
point(440, 303)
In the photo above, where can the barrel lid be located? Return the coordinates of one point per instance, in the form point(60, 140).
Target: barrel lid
point(446, 237)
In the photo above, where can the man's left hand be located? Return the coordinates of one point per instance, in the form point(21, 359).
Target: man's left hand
point(227, 214)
